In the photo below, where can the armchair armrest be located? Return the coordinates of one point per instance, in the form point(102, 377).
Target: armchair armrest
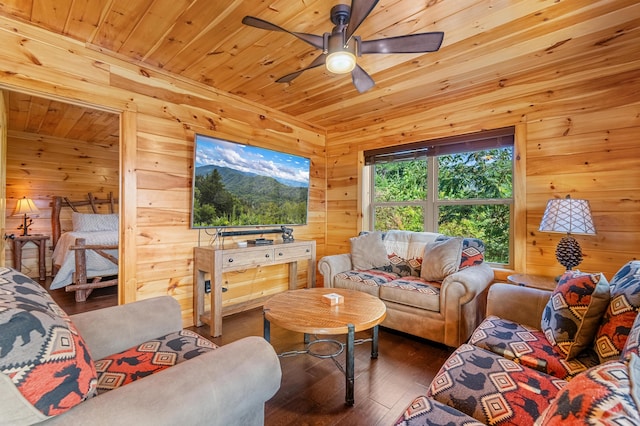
point(523, 305)
point(329, 266)
point(226, 386)
point(474, 279)
point(111, 330)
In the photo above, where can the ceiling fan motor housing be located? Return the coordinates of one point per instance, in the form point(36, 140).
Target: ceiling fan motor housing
point(340, 14)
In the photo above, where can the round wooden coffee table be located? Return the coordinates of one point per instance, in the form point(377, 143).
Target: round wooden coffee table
point(305, 312)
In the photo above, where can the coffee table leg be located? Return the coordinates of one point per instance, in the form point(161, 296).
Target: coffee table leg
point(374, 343)
point(350, 370)
point(267, 329)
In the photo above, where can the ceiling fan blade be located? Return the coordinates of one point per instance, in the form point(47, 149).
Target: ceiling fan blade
point(360, 9)
point(361, 79)
point(411, 43)
point(314, 40)
point(320, 60)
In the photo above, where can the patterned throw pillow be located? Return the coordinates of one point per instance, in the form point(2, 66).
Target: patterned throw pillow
point(149, 358)
point(602, 395)
point(41, 350)
point(423, 410)
point(574, 311)
point(402, 267)
point(621, 313)
point(633, 341)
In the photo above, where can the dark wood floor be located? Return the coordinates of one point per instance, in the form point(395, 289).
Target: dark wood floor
point(313, 389)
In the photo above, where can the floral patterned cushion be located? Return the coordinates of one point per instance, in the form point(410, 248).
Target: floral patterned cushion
point(602, 395)
point(493, 389)
point(529, 347)
point(574, 312)
point(621, 313)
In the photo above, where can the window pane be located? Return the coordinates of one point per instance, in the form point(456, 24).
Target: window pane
point(481, 174)
point(490, 223)
point(407, 218)
point(400, 181)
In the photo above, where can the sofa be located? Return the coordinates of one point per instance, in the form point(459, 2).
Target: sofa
point(546, 358)
point(128, 364)
point(433, 286)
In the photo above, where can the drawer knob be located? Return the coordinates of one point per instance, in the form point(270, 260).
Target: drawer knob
point(280, 254)
point(230, 260)
point(308, 250)
point(266, 255)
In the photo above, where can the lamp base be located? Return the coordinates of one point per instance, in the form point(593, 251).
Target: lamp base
point(25, 226)
point(568, 252)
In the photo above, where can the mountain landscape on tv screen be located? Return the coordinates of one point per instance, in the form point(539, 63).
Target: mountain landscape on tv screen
point(228, 197)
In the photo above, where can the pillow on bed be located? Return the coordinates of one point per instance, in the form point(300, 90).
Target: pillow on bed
point(83, 222)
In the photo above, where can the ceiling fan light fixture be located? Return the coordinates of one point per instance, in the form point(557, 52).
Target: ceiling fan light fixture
point(341, 62)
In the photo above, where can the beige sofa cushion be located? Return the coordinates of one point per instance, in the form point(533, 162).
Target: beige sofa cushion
point(441, 259)
point(412, 291)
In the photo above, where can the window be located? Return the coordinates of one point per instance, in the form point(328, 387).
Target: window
point(461, 186)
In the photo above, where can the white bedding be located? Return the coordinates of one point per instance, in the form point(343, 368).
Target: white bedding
point(96, 265)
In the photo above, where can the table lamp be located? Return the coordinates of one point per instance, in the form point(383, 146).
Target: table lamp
point(570, 216)
point(26, 207)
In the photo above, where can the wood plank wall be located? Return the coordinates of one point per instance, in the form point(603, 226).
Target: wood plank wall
point(581, 138)
point(161, 115)
point(41, 167)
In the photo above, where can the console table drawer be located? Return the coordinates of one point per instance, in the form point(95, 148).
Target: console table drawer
point(297, 251)
point(251, 257)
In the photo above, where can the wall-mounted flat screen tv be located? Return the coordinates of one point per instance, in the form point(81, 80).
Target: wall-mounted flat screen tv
point(237, 185)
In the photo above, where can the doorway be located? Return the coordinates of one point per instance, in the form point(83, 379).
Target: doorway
point(54, 148)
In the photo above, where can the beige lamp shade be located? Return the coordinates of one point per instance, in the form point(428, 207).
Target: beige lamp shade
point(26, 206)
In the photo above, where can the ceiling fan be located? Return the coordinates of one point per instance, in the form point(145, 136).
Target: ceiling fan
point(341, 47)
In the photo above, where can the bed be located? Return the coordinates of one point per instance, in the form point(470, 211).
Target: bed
point(85, 244)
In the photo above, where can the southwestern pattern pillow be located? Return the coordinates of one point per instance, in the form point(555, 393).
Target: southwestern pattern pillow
point(424, 411)
point(402, 267)
point(621, 313)
point(602, 395)
point(574, 311)
point(41, 351)
point(150, 357)
point(529, 346)
point(493, 389)
point(633, 341)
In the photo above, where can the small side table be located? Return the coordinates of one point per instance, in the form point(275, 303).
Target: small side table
point(39, 240)
point(535, 281)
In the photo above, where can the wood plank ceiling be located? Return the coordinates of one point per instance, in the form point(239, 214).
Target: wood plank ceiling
point(488, 44)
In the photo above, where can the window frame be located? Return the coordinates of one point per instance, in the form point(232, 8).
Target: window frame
point(432, 204)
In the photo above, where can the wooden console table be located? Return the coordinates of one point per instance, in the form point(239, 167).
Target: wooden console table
point(39, 240)
point(216, 261)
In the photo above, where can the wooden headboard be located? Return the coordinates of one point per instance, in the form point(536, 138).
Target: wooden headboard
point(94, 203)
